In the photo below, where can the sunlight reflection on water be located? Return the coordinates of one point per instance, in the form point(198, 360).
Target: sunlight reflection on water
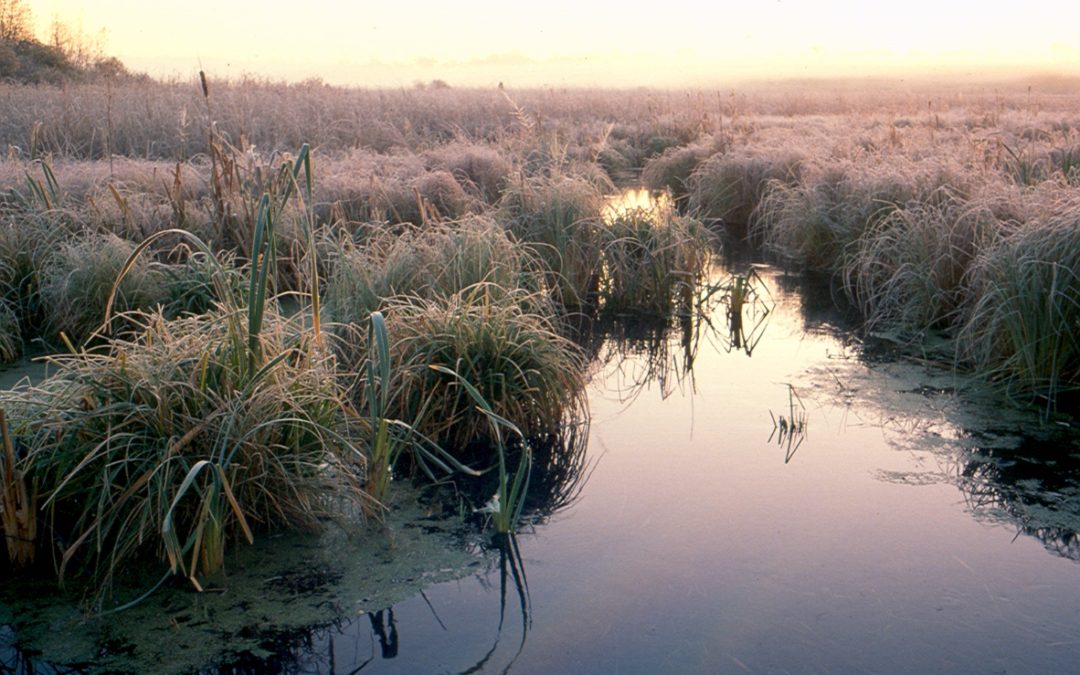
point(635, 199)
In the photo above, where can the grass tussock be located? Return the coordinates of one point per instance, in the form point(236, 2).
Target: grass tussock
point(423, 262)
point(672, 170)
point(559, 217)
point(11, 340)
point(193, 284)
point(515, 359)
point(167, 444)
point(79, 277)
point(729, 186)
point(25, 246)
point(396, 190)
point(483, 171)
point(653, 261)
point(1022, 319)
point(813, 221)
point(907, 269)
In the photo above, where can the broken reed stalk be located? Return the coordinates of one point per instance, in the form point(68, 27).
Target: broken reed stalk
point(18, 515)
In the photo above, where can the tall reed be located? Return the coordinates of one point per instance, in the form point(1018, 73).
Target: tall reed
point(18, 504)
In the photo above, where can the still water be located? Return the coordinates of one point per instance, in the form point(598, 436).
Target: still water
point(898, 528)
point(797, 508)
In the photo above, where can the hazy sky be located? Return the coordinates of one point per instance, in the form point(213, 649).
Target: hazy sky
point(572, 42)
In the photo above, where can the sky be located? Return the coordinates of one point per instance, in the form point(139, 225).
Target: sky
point(576, 42)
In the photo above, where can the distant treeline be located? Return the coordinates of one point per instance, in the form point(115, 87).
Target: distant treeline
point(69, 55)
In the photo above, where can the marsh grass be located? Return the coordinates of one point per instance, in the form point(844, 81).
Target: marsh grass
point(559, 217)
point(1022, 318)
point(192, 285)
point(166, 443)
point(1024, 165)
point(180, 435)
point(415, 198)
point(672, 170)
point(482, 170)
point(439, 196)
point(1066, 161)
point(813, 221)
point(507, 504)
point(906, 270)
point(241, 181)
point(390, 438)
point(34, 228)
point(730, 186)
point(513, 357)
point(426, 262)
point(78, 278)
point(11, 340)
point(654, 260)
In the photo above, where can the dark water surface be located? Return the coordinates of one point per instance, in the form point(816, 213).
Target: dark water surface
point(902, 528)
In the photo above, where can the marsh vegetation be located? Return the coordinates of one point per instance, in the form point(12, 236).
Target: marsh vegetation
point(264, 308)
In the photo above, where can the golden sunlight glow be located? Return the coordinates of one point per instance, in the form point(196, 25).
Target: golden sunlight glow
point(630, 201)
point(602, 43)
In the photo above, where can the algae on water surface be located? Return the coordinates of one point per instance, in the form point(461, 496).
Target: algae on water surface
point(280, 586)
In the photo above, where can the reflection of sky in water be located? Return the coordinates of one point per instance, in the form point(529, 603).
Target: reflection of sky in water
point(695, 548)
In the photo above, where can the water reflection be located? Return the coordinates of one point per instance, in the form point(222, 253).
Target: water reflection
point(822, 305)
point(1034, 486)
point(511, 572)
point(16, 661)
point(560, 469)
point(654, 202)
point(632, 354)
point(747, 305)
point(789, 428)
point(384, 628)
point(636, 354)
point(1010, 467)
point(376, 639)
